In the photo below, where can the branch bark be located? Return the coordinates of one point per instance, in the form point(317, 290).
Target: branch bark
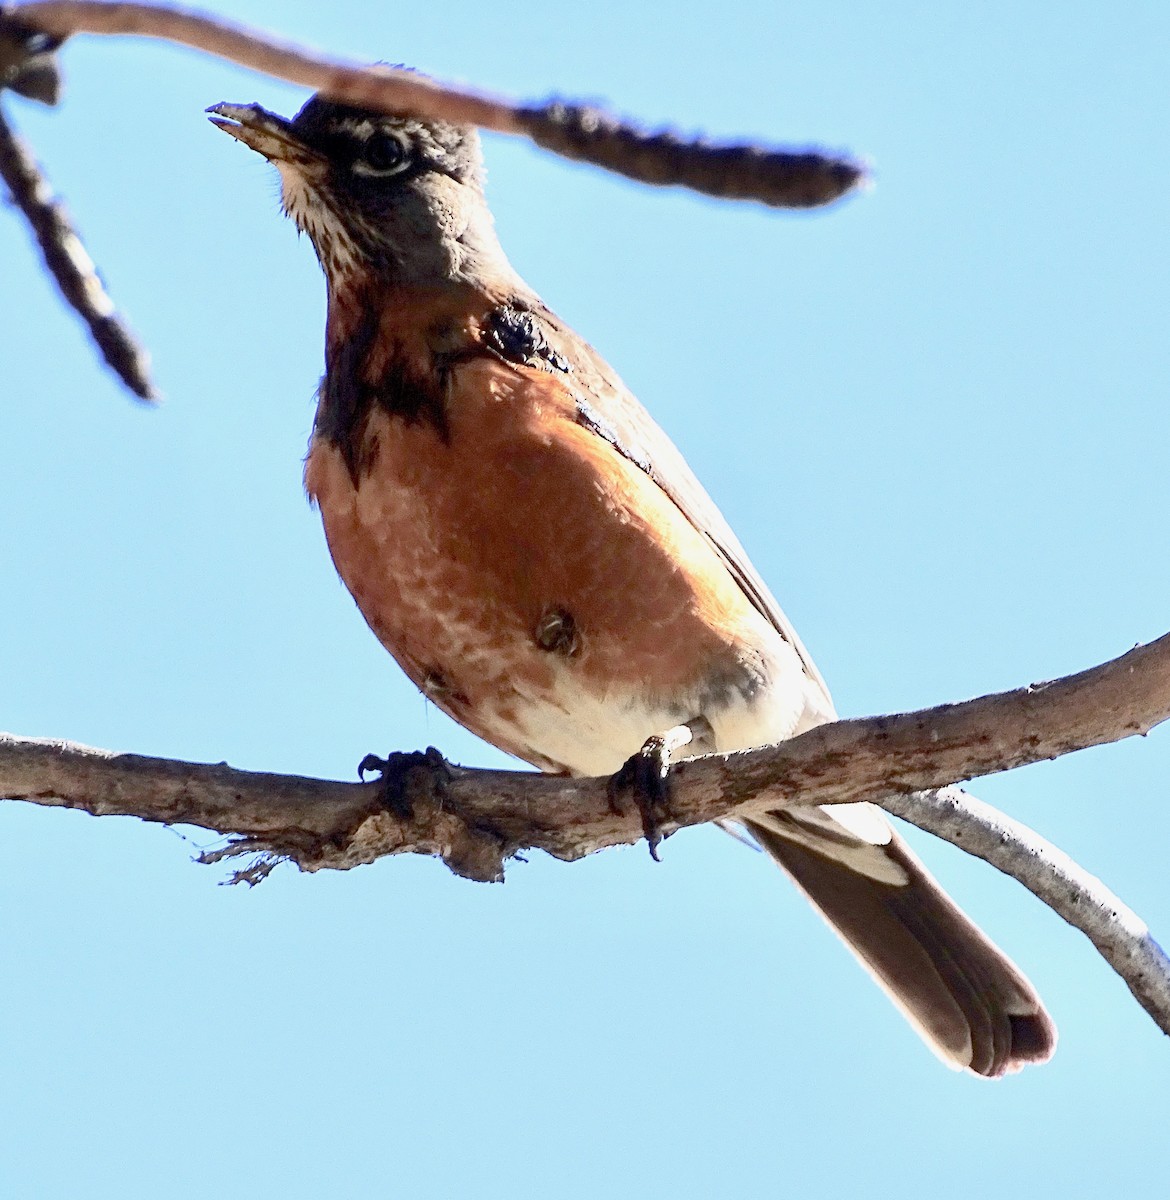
point(1121, 937)
point(319, 824)
point(474, 820)
point(30, 33)
point(772, 176)
point(66, 259)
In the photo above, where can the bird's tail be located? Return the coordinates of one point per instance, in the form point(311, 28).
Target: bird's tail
point(965, 997)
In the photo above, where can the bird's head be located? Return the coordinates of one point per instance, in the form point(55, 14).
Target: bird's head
point(394, 197)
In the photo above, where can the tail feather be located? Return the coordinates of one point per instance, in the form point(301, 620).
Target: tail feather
point(965, 997)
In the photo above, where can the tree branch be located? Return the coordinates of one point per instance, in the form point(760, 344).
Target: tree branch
point(317, 823)
point(1119, 934)
point(28, 62)
point(28, 67)
point(781, 178)
point(67, 261)
point(31, 33)
point(474, 820)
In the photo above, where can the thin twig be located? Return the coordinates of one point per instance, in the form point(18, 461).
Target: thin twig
point(28, 62)
point(780, 178)
point(772, 176)
point(1119, 934)
point(69, 264)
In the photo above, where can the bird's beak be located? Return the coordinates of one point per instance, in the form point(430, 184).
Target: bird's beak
point(263, 131)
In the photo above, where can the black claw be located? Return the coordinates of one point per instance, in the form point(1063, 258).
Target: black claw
point(396, 770)
point(372, 763)
point(646, 777)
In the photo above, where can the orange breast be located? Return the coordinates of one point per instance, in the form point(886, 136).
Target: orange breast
point(456, 549)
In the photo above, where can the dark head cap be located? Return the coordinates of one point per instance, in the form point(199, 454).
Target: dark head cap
point(394, 195)
point(375, 146)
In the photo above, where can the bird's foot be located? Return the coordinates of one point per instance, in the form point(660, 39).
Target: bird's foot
point(646, 777)
point(400, 779)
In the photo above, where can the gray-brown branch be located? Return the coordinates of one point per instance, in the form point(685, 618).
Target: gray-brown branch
point(1121, 937)
point(777, 177)
point(474, 820)
point(69, 264)
point(317, 823)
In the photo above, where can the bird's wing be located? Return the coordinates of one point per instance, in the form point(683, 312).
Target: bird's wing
point(606, 404)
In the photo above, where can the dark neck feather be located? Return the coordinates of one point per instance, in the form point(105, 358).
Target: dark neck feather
point(367, 369)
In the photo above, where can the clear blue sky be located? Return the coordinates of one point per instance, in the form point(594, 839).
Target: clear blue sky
point(935, 415)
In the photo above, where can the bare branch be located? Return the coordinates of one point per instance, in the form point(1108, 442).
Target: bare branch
point(70, 265)
point(1119, 934)
point(779, 178)
point(776, 177)
point(351, 82)
point(28, 62)
point(30, 34)
point(475, 820)
point(319, 824)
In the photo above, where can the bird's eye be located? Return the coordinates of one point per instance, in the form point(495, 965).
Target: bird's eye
point(383, 154)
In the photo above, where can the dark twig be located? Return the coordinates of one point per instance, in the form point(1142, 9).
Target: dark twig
point(774, 177)
point(780, 178)
point(69, 263)
point(28, 63)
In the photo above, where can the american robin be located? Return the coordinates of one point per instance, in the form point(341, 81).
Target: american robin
point(544, 565)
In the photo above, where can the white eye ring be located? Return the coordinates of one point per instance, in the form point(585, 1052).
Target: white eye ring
point(383, 154)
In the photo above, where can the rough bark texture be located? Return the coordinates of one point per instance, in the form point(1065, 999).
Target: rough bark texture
point(475, 820)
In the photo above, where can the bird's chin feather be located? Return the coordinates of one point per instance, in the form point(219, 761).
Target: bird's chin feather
point(331, 236)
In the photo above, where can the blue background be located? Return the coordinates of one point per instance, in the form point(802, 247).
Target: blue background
point(935, 415)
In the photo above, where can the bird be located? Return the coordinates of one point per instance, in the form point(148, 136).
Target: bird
point(544, 565)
